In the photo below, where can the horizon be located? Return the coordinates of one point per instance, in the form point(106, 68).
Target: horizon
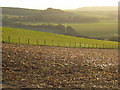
point(57, 8)
point(58, 4)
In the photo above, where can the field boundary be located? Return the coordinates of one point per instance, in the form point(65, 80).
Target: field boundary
point(61, 44)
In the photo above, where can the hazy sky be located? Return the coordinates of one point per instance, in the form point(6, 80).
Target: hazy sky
point(59, 4)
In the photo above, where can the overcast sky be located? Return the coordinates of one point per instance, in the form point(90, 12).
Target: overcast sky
point(59, 4)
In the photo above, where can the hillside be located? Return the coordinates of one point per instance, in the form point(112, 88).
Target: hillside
point(85, 14)
point(101, 13)
point(48, 15)
point(107, 30)
point(98, 8)
point(42, 38)
point(92, 22)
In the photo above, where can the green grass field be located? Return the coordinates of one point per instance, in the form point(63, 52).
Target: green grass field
point(98, 30)
point(42, 38)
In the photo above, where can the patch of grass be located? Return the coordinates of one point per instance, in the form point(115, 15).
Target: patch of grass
point(42, 38)
point(96, 30)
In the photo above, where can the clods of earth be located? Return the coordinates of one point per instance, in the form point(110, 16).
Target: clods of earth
point(27, 66)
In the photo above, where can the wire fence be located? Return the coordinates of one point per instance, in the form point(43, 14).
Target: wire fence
point(62, 44)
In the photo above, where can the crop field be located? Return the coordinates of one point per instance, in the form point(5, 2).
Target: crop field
point(28, 66)
point(21, 36)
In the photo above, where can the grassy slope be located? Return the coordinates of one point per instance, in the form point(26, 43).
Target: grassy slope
point(101, 13)
point(103, 29)
point(15, 34)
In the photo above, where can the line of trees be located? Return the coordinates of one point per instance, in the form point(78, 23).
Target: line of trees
point(51, 28)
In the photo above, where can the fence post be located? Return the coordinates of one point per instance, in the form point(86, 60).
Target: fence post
point(44, 42)
point(52, 42)
point(96, 45)
point(19, 40)
point(8, 39)
point(80, 44)
point(75, 44)
point(37, 42)
point(28, 40)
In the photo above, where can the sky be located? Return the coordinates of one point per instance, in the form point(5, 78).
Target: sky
point(58, 4)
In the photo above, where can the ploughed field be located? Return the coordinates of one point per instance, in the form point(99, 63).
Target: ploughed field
point(28, 66)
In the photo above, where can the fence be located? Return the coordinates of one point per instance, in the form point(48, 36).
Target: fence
point(62, 44)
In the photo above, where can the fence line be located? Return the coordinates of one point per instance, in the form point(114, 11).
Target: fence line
point(69, 44)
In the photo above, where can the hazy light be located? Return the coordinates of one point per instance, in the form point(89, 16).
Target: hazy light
point(60, 4)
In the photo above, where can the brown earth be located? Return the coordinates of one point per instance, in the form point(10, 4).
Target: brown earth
point(27, 66)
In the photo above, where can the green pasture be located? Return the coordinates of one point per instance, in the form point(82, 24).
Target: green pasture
point(97, 30)
point(21, 36)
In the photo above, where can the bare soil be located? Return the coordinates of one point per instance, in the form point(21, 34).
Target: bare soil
point(27, 66)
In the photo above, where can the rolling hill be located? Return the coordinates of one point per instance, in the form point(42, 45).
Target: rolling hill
point(48, 15)
point(101, 13)
point(92, 22)
point(43, 38)
point(98, 8)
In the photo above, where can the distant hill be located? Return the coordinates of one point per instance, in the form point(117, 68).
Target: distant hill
point(80, 15)
point(98, 8)
point(48, 15)
point(101, 13)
